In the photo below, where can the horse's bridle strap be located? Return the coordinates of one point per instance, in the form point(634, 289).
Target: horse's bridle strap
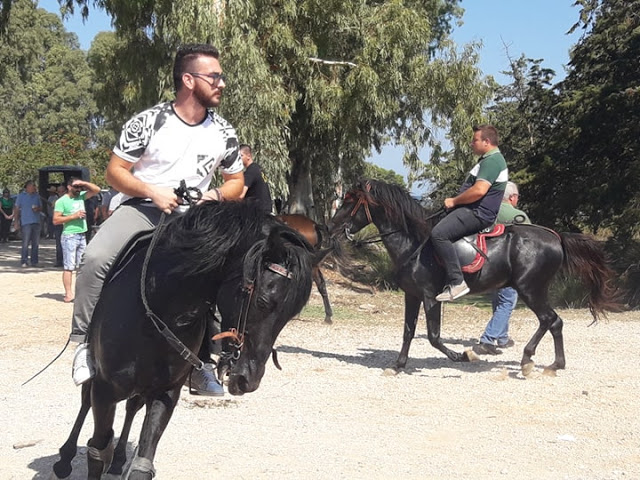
point(280, 270)
point(365, 204)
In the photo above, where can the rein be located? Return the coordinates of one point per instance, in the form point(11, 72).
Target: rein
point(191, 196)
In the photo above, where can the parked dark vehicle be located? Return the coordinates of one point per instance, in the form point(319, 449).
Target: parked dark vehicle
point(58, 175)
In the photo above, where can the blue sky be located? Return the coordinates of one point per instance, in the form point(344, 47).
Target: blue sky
point(536, 28)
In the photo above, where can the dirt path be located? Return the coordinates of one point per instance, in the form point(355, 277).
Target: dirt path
point(333, 412)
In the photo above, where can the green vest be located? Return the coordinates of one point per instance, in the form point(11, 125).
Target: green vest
point(510, 214)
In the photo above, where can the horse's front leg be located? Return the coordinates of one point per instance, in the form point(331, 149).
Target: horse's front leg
point(434, 315)
point(134, 404)
point(411, 310)
point(159, 411)
point(100, 452)
point(62, 468)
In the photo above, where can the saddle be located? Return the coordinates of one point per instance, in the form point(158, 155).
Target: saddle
point(472, 249)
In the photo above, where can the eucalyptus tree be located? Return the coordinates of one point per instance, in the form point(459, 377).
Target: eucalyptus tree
point(313, 85)
point(45, 82)
point(595, 163)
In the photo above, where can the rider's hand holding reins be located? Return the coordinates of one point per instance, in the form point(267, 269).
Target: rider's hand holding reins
point(164, 198)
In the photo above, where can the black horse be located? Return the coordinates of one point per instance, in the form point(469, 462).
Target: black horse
point(178, 274)
point(526, 258)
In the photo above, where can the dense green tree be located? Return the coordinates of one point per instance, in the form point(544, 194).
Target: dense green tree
point(49, 114)
point(45, 81)
point(594, 161)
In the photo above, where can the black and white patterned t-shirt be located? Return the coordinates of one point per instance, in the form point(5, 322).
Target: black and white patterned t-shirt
point(166, 150)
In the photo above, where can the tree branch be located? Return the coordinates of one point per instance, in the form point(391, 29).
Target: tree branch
point(331, 62)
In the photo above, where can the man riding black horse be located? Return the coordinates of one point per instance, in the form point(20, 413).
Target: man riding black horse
point(167, 143)
point(473, 209)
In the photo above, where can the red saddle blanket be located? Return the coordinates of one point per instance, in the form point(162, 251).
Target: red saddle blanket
point(480, 241)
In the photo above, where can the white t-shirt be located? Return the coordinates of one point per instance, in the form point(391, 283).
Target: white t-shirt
point(166, 150)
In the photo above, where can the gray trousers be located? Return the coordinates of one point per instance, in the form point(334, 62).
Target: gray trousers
point(100, 254)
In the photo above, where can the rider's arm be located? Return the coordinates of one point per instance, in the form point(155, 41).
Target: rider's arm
point(475, 192)
point(229, 190)
point(119, 176)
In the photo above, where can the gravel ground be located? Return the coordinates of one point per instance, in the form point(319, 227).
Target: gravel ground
point(335, 412)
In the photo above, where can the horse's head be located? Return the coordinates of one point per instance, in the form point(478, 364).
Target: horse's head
point(277, 283)
point(355, 212)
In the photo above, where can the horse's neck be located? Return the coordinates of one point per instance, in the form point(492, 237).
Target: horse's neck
point(399, 244)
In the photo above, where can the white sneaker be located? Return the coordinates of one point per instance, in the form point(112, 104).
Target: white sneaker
point(82, 368)
point(453, 292)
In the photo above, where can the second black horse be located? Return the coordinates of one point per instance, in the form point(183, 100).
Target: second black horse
point(526, 257)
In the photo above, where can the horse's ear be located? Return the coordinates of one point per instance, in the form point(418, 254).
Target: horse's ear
point(275, 247)
point(275, 250)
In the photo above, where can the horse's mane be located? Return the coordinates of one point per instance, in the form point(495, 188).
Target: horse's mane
point(208, 235)
point(400, 208)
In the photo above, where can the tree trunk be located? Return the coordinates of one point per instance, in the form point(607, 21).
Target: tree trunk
point(300, 188)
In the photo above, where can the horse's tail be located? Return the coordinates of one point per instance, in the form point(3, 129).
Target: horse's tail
point(327, 245)
point(585, 258)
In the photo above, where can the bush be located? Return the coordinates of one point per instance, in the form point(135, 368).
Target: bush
point(369, 261)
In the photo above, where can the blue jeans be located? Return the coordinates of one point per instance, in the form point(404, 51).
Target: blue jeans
point(73, 246)
point(497, 331)
point(30, 234)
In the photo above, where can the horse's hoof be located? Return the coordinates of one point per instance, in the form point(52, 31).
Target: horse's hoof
point(549, 372)
point(328, 321)
point(65, 472)
point(470, 356)
point(527, 368)
point(390, 372)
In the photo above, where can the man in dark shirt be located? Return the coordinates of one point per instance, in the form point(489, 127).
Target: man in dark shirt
point(255, 187)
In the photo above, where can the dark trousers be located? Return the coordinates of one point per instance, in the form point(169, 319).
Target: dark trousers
point(5, 228)
point(457, 224)
point(57, 233)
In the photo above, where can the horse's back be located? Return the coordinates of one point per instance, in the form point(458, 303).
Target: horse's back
point(524, 250)
point(303, 225)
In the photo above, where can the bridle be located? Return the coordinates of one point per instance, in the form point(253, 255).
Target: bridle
point(236, 334)
point(364, 202)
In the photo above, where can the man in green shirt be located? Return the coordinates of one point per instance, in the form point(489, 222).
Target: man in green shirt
point(473, 209)
point(69, 211)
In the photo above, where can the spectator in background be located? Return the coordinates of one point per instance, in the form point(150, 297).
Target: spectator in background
point(92, 205)
point(496, 334)
point(105, 211)
point(255, 186)
point(71, 214)
point(27, 214)
point(57, 229)
point(6, 219)
point(51, 201)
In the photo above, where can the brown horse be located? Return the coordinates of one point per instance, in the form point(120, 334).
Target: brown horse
point(318, 236)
